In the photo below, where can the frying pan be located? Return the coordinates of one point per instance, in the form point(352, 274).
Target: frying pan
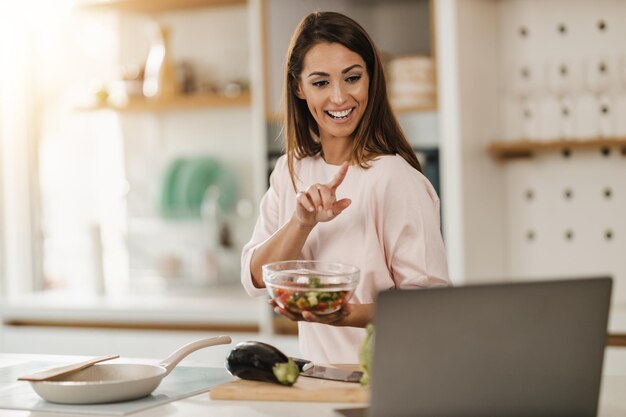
point(113, 382)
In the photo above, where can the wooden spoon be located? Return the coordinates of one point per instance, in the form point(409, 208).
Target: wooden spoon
point(62, 370)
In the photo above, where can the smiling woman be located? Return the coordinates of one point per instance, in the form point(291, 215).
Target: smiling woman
point(349, 189)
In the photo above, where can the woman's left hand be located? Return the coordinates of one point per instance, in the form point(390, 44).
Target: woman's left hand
point(319, 202)
point(352, 315)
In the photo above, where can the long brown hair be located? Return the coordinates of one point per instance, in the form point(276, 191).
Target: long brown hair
point(378, 132)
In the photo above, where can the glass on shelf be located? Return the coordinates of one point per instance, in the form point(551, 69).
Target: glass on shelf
point(564, 82)
point(523, 80)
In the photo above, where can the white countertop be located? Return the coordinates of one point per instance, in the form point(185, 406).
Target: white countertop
point(612, 403)
point(220, 305)
point(197, 405)
point(202, 405)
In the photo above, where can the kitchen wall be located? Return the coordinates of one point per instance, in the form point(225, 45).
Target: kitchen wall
point(549, 205)
point(563, 210)
point(554, 214)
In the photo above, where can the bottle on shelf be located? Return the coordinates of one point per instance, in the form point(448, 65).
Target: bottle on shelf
point(160, 74)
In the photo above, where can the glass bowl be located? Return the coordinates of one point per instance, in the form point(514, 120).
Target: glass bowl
point(315, 286)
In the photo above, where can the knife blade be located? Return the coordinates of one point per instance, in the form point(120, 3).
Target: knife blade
point(309, 369)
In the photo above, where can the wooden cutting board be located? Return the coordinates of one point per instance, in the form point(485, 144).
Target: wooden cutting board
point(305, 389)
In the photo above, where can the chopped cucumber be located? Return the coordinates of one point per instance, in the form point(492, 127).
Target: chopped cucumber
point(314, 282)
point(312, 299)
point(286, 372)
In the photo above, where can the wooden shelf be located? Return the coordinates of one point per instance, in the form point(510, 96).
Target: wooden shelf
point(616, 339)
point(152, 6)
point(180, 102)
point(527, 148)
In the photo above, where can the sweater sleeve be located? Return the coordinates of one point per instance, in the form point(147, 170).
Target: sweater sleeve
point(266, 226)
point(411, 230)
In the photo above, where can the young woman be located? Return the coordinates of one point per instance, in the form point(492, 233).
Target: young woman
point(349, 188)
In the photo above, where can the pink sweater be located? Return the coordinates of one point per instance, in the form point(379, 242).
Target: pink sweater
point(391, 231)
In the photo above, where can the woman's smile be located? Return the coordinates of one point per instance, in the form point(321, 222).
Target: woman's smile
point(340, 116)
point(334, 82)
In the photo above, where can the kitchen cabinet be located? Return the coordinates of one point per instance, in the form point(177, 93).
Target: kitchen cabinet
point(134, 326)
point(129, 343)
point(208, 123)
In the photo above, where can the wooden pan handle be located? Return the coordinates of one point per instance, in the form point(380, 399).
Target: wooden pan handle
point(62, 370)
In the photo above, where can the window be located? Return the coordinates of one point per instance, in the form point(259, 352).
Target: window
point(59, 175)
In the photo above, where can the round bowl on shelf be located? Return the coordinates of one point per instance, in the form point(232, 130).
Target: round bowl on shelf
point(316, 286)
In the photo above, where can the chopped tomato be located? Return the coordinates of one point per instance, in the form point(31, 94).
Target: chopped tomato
point(319, 302)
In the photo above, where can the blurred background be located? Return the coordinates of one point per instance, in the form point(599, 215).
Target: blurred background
point(137, 136)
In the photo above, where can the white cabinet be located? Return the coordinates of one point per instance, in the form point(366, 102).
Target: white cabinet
point(127, 343)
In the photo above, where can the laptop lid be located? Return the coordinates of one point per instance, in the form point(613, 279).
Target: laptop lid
point(510, 349)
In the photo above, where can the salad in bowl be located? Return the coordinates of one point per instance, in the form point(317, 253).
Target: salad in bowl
point(316, 286)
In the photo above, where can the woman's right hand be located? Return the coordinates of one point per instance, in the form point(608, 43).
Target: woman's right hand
point(352, 315)
point(336, 318)
point(319, 202)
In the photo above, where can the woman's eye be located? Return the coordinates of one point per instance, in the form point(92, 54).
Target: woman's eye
point(353, 78)
point(321, 83)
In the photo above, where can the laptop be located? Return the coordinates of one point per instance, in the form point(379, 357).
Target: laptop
point(508, 349)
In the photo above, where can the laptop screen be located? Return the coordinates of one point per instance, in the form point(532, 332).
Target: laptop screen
point(514, 349)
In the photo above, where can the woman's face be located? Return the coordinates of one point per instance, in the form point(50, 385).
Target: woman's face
point(334, 82)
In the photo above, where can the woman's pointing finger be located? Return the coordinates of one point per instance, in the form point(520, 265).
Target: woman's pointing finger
point(338, 178)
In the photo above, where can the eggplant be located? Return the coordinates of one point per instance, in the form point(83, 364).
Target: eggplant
point(261, 362)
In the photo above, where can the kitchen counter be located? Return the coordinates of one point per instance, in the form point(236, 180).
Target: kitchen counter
point(222, 304)
point(202, 405)
point(221, 309)
point(197, 405)
point(226, 308)
point(612, 403)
